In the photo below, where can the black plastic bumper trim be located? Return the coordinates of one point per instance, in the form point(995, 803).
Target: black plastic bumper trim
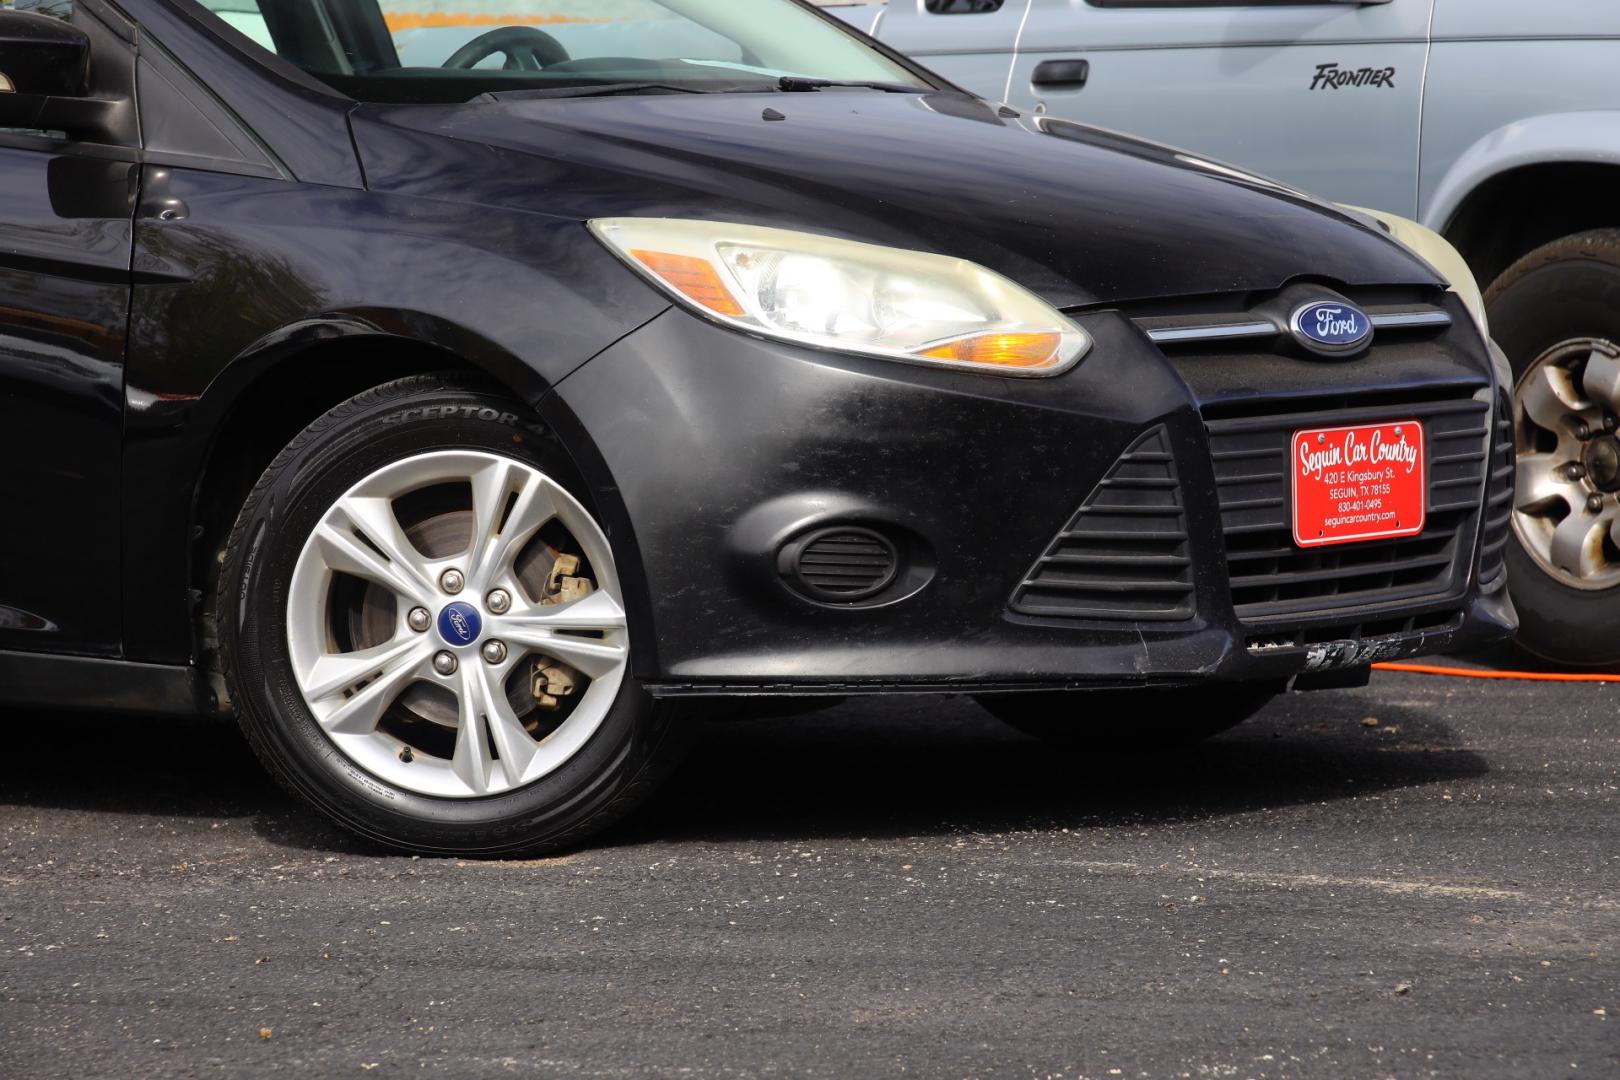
point(86, 682)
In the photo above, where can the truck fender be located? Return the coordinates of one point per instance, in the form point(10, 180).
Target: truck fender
point(1574, 137)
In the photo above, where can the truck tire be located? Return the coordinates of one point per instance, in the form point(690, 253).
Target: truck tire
point(1556, 314)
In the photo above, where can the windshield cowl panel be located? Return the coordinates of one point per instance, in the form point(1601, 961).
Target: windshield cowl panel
point(450, 51)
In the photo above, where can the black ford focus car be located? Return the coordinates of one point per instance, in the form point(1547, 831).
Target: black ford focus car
point(462, 393)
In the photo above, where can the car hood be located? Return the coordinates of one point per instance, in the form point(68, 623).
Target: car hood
point(1080, 215)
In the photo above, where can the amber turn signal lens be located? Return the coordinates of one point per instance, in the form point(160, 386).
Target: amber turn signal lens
point(694, 278)
point(1002, 350)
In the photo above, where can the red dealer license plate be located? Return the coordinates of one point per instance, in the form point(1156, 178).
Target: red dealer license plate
point(1352, 484)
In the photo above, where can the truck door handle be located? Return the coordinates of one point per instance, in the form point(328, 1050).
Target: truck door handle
point(1062, 74)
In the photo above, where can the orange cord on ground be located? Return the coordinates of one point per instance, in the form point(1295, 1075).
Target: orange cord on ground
point(1476, 673)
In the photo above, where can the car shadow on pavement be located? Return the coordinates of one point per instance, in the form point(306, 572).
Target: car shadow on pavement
point(161, 766)
point(944, 765)
point(1509, 656)
point(919, 766)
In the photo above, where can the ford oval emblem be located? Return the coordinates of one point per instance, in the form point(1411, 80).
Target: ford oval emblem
point(459, 624)
point(1331, 327)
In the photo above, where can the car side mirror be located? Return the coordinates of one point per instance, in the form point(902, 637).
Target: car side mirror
point(45, 75)
point(44, 56)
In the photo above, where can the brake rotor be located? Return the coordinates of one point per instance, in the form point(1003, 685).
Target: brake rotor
point(372, 620)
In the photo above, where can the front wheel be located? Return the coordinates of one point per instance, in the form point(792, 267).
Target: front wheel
point(1556, 314)
point(425, 634)
point(1130, 719)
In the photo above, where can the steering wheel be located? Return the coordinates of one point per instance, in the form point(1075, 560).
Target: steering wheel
point(526, 49)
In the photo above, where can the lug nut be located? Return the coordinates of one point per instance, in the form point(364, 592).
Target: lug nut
point(494, 651)
point(452, 582)
point(1610, 421)
point(1583, 430)
point(499, 601)
point(1594, 503)
point(1574, 470)
point(419, 619)
point(444, 663)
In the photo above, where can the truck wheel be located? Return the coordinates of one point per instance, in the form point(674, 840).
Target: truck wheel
point(1130, 719)
point(424, 632)
point(1556, 313)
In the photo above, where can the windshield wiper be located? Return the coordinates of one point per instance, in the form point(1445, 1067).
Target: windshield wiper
point(597, 90)
point(787, 83)
point(799, 84)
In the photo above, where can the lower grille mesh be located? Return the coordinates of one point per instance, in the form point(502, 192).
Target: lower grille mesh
point(1124, 554)
point(1273, 582)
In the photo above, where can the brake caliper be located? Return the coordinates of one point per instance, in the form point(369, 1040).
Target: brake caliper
point(552, 680)
point(550, 684)
point(562, 586)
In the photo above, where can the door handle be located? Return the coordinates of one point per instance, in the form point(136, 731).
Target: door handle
point(1062, 74)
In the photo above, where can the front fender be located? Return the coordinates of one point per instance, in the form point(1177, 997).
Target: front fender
point(369, 330)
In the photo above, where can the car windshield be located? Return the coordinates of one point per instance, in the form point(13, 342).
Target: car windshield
point(455, 50)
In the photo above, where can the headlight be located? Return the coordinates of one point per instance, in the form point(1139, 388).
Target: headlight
point(1437, 251)
point(838, 294)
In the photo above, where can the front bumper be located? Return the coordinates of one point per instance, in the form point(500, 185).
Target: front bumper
point(707, 451)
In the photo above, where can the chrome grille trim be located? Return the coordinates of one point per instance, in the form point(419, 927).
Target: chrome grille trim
point(1176, 335)
point(1409, 320)
point(1184, 333)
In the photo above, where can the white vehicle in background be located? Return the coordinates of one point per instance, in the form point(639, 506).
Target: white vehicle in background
point(1494, 122)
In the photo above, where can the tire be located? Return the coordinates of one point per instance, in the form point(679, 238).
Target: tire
point(1556, 314)
point(1130, 719)
point(284, 548)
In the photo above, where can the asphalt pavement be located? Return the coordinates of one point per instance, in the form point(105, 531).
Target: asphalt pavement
point(1419, 878)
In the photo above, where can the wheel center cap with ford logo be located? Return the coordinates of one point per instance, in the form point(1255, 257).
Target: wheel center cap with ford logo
point(1331, 328)
point(460, 624)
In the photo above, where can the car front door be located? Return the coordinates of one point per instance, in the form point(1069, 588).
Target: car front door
point(1325, 95)
point(66, 208)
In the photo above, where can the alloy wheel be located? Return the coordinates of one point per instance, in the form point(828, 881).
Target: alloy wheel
point(455, 624)
point(1567, 505)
